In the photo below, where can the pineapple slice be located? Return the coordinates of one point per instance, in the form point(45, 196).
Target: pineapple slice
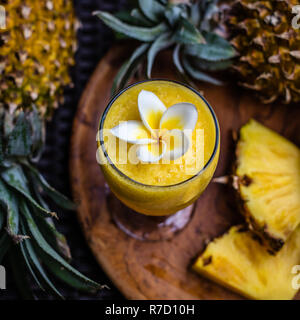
point(238, 261)
point(268, 181)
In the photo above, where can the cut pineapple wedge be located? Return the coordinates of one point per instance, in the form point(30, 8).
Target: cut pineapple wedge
point(238, 261)
point(268, 171)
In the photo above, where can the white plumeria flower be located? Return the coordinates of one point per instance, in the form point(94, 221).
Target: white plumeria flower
point(161, 133)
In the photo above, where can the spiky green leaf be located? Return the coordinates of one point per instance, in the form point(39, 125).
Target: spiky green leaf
point(28, 265)
point(37, 134)
point(13, 218)
point(8, 124)
point(139, 33)
point(141, 18)
point(47, 227)
point(212, 65)
point(63, 274)
point(19, 140)
point(52, 236)
point(34, 260)
point(153, 9)
point(19, 271)
point(125, 71)
point(215, 49)
point(2, 218)
point(133, 17)
point(209, 8)
point(61, 241)
point(162, 42)
point(1, 136)
point(195, 14)
point(173, 14)
point(56, 196)
point(16, 179)
point(187, 33)
point(198, 75)
point(4, 245)
point(9, 203)
point(176, 59)
point(50, 256)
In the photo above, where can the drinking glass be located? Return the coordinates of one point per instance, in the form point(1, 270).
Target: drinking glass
point(153, 212)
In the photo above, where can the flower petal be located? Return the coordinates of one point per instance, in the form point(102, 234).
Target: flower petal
point(151, 152)
point(180, 116)
point(151, 109)
point(177, 143)
point(133, 132)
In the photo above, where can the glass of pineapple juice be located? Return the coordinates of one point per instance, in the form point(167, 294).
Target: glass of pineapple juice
point(156, 198)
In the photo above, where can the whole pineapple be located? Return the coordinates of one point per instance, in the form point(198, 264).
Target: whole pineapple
point(36, 50)
point(269, 48)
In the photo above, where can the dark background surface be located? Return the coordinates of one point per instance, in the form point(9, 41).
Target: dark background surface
point(94, 39)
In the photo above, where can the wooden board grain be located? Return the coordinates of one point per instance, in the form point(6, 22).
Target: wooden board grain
point(161, 270)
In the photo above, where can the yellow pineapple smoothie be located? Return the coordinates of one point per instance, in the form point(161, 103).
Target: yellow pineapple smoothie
point(165, 186)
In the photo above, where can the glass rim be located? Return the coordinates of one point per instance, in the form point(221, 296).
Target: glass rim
point(116, 96)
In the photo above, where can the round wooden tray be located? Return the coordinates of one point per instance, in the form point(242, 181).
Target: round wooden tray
point(161, 270)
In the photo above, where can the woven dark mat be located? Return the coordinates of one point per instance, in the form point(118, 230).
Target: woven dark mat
point(94, 39)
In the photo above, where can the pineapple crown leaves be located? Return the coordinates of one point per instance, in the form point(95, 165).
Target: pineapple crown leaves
point(28, 236)
point(187, 27)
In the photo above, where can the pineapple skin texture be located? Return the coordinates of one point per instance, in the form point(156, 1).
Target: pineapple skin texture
point(36, 49)
point(268, 46)
point(271, 198)
point(238, 261)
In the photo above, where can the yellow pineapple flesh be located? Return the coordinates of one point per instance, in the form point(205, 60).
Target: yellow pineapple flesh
point(268, 175)
point(239, 262)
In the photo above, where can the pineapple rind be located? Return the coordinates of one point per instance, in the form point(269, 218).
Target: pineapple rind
point(239, 262)
point(36, 50)
point(268, 48)
point(271, 201)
